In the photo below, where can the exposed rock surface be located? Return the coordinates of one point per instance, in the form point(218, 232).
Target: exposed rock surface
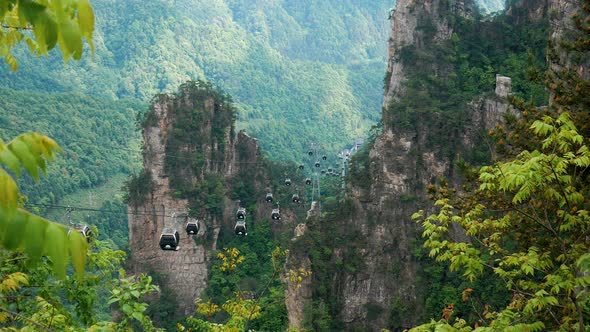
point(184, 271)
point(402, 163)
point(298, 296)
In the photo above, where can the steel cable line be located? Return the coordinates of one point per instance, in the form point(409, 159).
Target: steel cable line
point(79, 208)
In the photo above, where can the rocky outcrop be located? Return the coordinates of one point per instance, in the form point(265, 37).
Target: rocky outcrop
point(406, 19)
point(298, 296)
point(167, 155)
point(386, 292)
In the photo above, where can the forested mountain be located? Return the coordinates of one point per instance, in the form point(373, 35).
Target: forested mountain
point(299, 71)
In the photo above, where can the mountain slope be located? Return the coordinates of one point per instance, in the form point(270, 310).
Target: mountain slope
point(299, 71)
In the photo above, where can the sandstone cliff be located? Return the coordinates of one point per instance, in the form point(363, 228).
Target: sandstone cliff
point(402, 162)
point(188, 140)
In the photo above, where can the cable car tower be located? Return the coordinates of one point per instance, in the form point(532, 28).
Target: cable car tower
point(315, 162)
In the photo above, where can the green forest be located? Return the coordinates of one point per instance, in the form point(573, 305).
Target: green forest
point(290, 73)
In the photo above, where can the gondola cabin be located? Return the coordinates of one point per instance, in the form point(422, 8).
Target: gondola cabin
point(169, 239)
point(308, 181)
point(310, 152)
point(84, 230)
point(295, 198)
point(240, 228)
point(324, 157)
point(269, 198)
point(317, 164)
point(301, 167)
point(192, 226)
point(241, 214)
point(287, 182)
point(276, 214)
point(329, 169)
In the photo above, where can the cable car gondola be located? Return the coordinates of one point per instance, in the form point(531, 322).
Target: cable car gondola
point(276, 214)
point(324, 157)
point(301, 167)
point(192, 226)
point(169, 239)
point(241, 214)
point(295, 198)
point(269, 198)
point(310, 153)
point(317, 164)
point(84, 230)
point(287, 182)
point(240, 228)
point(308, 181)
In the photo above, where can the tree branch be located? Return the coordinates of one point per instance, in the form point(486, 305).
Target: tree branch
point(45, 328)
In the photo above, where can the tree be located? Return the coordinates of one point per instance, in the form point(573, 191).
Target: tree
point(31, 299)
point(528, 217)
point(532, 233)
point(63, 23)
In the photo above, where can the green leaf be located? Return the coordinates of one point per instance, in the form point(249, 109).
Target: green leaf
point(8, 191)
point(78, 247)
point(70, 39)
point(12, 232)
point(34, 236)
point(137, 315)
point(55, 247)
point(126, 308)
point(10, 160)
point(86, 21)
point(27, 159)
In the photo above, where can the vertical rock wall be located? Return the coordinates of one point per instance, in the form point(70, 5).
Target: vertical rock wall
point(387, 291)
point(184, 271)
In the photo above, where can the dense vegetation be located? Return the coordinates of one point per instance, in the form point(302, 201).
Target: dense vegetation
point(299, 71)
point(480, 48)
point(97, 137)
point(526, 236)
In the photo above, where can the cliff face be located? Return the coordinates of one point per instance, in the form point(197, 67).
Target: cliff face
point(388, 291)
point(194, 125)
point(406, 20)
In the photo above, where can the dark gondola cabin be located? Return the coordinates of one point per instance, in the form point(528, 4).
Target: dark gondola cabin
point(269, 198)
point(301, 167)
point(276, 214)
point(240, 228)
point(329, 169)
point(310, 152)
point(169, 239)
point(323, 171)
point(287, 182)
point(241, 214)
point(295, 198)
point(324, 157)
point(308, 181)
point(317, 163)
point(192, 226)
